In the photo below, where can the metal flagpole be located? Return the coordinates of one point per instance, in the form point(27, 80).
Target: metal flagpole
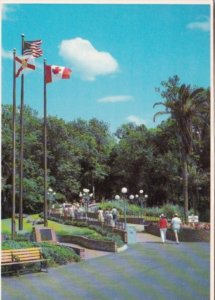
point(45, 149)
point(13, 220)
point(21, 147)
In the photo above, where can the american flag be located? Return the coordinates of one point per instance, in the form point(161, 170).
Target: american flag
point(32, 48)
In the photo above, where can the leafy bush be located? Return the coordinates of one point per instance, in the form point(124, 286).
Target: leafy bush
point(116, 238)
point(58, 254)
point(153, 211)
point(107, 235)
point(131, 209)
point(170, 209)
point(75, 223)
point(12, 244)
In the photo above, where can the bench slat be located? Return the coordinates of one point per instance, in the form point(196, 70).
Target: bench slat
point(4, 261)
point(26, 250)
point(23, 262)
point(18, 259)
point(26, 254)
point(21, 250)
point(7, 256)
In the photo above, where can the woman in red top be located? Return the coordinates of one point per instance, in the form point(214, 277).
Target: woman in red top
point(163, 224)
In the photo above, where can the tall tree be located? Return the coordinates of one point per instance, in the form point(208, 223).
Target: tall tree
point(183, 104)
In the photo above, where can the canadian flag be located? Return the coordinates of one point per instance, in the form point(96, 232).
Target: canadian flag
point(54, 73)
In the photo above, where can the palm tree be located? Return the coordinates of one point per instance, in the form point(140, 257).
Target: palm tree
point(182, 103)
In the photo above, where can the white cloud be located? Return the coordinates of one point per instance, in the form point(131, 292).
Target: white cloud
point(5, 11)
point(200, 25)
point(86, 60)
point(7, 54)
point(114, 99)
point(136, 120)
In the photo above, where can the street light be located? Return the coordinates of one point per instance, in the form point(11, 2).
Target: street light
point(51, 196)
point(137, 199)
point(131, 197)
point(146, 197)
point(141, 202)
point(117, 197)
point(124, 191)
point(86, 197)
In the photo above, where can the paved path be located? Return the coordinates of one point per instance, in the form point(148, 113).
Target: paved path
point(147, 270)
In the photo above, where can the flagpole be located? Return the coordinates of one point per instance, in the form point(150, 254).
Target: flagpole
point(21, 147)
point(45, 149)
point(13, 220)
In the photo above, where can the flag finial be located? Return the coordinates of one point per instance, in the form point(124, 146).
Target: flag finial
point(22, 35)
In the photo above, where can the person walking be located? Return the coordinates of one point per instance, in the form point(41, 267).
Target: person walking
point(115, 215)
point(176, 226)
point(100, 215)
point(163, 224)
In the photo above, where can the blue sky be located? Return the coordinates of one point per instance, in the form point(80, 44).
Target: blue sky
point(118, 54)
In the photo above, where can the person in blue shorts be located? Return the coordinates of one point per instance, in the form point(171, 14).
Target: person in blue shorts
point(176, 226)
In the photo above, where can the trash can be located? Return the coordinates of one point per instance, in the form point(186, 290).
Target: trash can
point(131, 234)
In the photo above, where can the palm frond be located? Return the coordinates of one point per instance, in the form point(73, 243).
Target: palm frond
point(196, 92)
point(159, 103)
point(159, 114)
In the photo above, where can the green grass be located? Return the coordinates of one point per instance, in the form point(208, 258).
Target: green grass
point(57, 227)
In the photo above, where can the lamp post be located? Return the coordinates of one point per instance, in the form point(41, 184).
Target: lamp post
point(141, 202)
point(137, 199)
point(124, 191)
point(131, 197)
point(86, 197)
point(51, 196)
point(146, 197)
point(81, 198)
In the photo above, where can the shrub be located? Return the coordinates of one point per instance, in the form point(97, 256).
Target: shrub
point(12, 244)
point(107, 235)
point(153, 211)
point(75, 223)
point(170, 209)
point(131, 209)
point(58, 254)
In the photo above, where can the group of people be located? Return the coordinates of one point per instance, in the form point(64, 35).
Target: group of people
point(74, 210)
point(175, 225)
point(108, 217)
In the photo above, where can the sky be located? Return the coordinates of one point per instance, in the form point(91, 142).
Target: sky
point(118, 55)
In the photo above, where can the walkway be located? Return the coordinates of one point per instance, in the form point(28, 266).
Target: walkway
point(147, 270)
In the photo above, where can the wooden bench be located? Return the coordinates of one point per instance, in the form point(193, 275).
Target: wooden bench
point(19, 257)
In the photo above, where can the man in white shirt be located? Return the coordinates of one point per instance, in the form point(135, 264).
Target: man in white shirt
point(176, 226)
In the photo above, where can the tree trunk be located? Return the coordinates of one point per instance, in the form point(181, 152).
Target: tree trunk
point(185, 185)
